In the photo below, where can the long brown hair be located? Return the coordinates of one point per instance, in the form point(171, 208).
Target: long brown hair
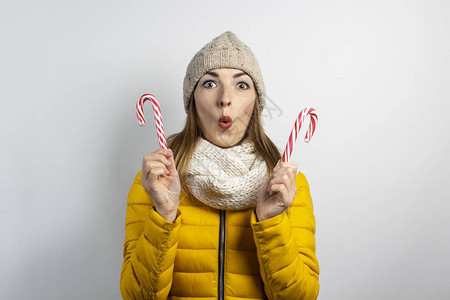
point(183, 143)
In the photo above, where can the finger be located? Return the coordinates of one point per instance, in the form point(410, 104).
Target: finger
point(144, 173)
point(145, 167)
point(167, 158)
point(286, 178)
point(280, 179)
point(289, 170)
point(171, 162)
point(289, 165)
point(157, 165)
point(285, 197)
point(149, 159)
point(277, 188)
point(282, 171)
point(158, 169)
point(160, 155)
point(155, 174)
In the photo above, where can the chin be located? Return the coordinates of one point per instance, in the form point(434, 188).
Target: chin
point(223, 143)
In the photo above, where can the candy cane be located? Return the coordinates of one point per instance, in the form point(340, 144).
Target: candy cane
point(298, 124)
point(158, 117)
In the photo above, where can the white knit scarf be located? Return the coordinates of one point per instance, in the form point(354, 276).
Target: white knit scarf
point(227, 178)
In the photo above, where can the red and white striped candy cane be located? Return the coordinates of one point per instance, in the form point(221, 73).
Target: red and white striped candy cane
point(298, 124)
point(157, 114)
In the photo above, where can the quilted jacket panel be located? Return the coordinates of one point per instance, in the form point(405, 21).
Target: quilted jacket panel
point(272, 259)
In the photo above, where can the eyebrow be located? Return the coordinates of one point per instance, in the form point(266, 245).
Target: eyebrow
point(234, 76)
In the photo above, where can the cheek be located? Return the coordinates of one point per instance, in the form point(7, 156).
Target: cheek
point(199, 103)
point(204, 113)
point(202, 110)
point(248, 110)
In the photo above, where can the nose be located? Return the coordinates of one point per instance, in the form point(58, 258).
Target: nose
point(225, 97)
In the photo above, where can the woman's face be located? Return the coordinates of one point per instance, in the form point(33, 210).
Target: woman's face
point(224, 100)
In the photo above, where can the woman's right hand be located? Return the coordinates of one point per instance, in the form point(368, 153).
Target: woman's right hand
point(161, 181)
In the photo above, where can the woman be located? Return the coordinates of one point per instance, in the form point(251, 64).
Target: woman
point(217, 215)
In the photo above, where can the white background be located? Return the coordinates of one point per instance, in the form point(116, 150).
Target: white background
point(377, 72)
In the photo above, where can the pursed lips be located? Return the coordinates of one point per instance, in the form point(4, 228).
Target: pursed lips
point(225, 122)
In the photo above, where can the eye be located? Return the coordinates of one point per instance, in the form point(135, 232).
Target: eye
point(243, 85)
point(209, 84)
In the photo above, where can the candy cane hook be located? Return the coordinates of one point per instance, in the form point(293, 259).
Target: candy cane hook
point(298, 124)
point(157, 114)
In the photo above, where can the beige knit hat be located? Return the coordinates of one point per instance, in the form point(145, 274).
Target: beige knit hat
point(224, 51)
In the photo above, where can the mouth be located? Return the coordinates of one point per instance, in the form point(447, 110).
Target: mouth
point(225, 122)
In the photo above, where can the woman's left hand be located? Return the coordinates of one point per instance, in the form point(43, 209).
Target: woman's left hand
point(277, 194)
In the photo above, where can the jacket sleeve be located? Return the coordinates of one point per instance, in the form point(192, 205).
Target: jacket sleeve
point(149, 248)
point(286, 249)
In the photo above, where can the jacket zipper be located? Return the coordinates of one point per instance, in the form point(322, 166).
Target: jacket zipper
point(221, 255)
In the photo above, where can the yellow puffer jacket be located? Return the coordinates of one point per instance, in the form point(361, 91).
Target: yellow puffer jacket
point(212, 254)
